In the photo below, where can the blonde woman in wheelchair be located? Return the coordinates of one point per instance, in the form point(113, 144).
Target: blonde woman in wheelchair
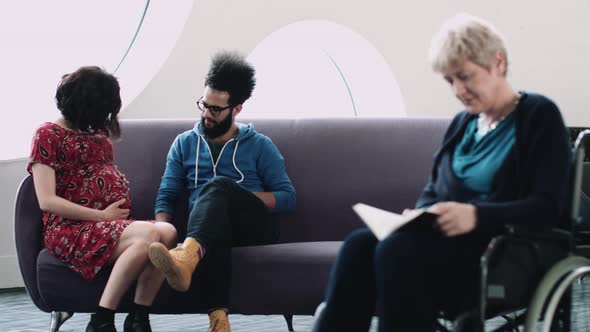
point(503, 160)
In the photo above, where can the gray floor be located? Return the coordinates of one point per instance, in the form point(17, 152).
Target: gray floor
point(19, 314)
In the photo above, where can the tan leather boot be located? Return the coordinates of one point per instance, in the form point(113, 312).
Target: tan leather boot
point(218, 321)
point(177, 264)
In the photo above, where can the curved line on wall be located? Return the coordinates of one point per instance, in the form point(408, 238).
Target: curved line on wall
point(345, 83)
point(147, 4)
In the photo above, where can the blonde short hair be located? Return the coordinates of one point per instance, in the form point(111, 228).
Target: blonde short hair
point(466, 37)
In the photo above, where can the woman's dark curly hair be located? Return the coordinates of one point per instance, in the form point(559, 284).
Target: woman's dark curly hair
point(89, 100)
point(230, 72)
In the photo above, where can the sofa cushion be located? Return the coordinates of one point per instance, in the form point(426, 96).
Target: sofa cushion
point(270, 279)
point(281, 278)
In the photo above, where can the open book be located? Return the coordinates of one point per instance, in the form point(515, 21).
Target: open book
point(382, 222)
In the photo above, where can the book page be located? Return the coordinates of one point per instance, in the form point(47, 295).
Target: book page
point(380, 222)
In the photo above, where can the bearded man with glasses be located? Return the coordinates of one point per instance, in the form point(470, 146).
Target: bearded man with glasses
point(236, 179)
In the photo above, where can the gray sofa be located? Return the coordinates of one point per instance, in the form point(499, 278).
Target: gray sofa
point(333, 164)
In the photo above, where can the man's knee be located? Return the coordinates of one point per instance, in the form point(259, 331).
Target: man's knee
point(219, 183)
point(222, 181)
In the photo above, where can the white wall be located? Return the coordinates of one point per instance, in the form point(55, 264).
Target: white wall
point(11, 174)
point(547, 43)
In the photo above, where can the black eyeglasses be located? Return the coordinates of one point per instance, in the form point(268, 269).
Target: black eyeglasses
point(212, 108)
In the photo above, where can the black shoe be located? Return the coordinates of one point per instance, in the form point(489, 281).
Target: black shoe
point(137, 323)
point(101, 327)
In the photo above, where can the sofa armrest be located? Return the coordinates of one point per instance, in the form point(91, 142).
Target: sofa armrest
point(28, 237)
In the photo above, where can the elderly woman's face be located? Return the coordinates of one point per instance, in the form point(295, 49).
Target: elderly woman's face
point(475, 86)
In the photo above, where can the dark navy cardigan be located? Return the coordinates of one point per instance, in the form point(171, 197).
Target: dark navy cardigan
point(530, 187)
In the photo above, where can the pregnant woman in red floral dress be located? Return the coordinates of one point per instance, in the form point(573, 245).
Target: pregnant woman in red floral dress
point(85, 198)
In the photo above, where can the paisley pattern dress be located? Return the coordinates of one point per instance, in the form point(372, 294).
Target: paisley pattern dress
point(84, 174)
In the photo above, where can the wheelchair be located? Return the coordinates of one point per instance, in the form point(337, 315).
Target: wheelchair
point(527, 276)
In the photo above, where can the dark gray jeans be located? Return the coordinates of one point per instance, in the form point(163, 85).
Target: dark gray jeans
point(224, 216)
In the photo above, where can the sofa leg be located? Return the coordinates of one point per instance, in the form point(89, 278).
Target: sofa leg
point(58, 318)
point(289, 319)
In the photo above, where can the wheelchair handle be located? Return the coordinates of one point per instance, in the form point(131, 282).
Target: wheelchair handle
point(579, 153)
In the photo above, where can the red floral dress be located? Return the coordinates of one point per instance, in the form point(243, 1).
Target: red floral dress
point(84, 174)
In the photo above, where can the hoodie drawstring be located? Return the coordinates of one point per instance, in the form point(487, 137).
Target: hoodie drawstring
point(197, 160)
point(218, 158)
point(234, 161)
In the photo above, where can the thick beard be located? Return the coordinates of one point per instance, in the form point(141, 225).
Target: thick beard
point(219, 129)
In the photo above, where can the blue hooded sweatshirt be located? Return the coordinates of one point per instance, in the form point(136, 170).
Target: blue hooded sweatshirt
point(251, 159)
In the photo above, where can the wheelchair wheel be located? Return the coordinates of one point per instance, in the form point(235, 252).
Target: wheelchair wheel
point(551, 306)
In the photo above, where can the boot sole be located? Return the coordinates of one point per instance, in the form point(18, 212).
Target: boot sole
point(164, 262)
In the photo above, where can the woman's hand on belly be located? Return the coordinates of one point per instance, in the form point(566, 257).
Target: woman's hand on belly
point(115, 212)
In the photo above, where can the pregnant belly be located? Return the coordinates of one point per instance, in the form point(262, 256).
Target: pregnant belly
point(99, 189)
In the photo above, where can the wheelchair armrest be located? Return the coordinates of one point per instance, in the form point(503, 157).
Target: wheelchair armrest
point(544, 234)
point(529, 237)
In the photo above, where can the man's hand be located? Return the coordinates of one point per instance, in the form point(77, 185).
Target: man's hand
point(163, 216)
point(267, 198)
point(455, 218)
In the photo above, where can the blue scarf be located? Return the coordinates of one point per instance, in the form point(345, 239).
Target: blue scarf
point(478, 157)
